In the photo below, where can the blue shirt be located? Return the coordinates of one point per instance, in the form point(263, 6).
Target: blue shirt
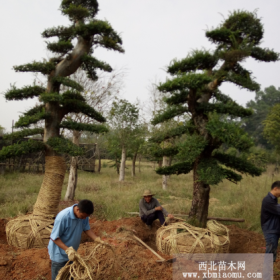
point(69, 229)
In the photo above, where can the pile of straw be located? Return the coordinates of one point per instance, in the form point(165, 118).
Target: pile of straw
point(181, 237)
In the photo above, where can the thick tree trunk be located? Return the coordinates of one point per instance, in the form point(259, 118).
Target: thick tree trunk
point(122, 169)
point(133, 165)
point(73, 174)
point(165, 162)
point(200, 201)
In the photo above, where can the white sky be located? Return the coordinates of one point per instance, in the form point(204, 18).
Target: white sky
point(153, 31)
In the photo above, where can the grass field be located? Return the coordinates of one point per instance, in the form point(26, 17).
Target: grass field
point(18, 192)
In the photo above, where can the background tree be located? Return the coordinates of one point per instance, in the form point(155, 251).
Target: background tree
point(192, 88)
point(87, 32)
point(98, 94)
point(2, 130)
point(123, 120)
point(272, 127)
point(264, 101)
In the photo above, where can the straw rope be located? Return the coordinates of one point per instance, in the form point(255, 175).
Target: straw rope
point(182, 237)
point(33, 231)
point(84, 267)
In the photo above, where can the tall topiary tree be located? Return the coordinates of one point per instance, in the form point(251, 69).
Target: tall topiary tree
point(194, 89)
point(87, 33)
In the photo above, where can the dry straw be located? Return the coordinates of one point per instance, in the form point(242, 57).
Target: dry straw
point(181, 237)
point(86, 267)
point(33, 231)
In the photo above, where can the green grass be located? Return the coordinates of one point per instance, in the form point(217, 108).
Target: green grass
point(18, 192)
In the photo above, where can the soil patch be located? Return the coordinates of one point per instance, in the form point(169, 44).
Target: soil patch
point(133, 260)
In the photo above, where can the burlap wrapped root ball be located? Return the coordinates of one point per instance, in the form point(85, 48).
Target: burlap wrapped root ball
point(33, 231)
point(183, 238)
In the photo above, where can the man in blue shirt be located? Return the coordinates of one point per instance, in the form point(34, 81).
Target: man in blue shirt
point(270, 219)
point(67, 231)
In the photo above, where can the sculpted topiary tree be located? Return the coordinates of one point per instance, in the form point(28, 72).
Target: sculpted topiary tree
point(88, 33)
point(194, 89)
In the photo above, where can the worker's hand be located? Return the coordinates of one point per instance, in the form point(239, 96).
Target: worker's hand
point(71, 252)
point(98, 240)
point(159, 208)
point(170, 216)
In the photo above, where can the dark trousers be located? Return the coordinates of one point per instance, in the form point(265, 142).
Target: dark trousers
point(271, 240)
point(148, 219)
point(56, 266)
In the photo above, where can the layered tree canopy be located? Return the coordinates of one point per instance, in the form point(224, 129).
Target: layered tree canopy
point(54, 104)
point(194, 89)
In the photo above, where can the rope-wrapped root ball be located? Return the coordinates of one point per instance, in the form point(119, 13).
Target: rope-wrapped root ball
point(33, 231)
point(182, 237)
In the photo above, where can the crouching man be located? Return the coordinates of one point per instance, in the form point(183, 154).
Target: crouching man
point(150, 209)
point(66, 234)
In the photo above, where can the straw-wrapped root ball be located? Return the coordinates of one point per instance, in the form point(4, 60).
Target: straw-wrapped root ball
point(181, 237)
point(29, 232)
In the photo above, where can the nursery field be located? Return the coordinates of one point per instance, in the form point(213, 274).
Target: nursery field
point(18, 192)
point(112, 200)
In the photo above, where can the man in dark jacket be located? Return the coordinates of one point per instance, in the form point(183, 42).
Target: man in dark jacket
point(270, 219)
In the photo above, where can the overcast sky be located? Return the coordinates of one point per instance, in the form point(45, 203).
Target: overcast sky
point(153, 31)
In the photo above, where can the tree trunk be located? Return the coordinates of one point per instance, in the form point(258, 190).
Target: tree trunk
point(165, 162)
point(73, 174)
point(139, 163)
point(117, 166)
point(133, 165)
point(200, 201)
point(122, 169)
point(99, 157)
point(160, 163)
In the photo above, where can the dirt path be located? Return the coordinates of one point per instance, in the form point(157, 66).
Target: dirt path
point(134, 261)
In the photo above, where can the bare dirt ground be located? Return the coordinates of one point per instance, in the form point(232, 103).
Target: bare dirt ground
point(133, 261)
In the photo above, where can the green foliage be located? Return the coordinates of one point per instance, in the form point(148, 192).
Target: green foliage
point(231, 175)
point(94, 128)
point(220, 35)
point(90, 64)
point(60, 46)
point(191, 147)
point(229, 133)
point(242, 81)
point(169, 151)
point(174, 132)
point(177, 98)
point(90, 5)
point(27, 119)
point(272, 126)
point(190, 80)
point(24, 93)
point(231, 108)
point(60, 31)
point(76, 12)
point(169, 113)
point(68, 83)
point(42, 67)
point(23, 133)
point(264, 54)
point(22, 148)
point(76, 106)
point(65, 146)
point(210, 172)
point(177, 168)
point(35, 110)
point(197, 60)
point(240, 164)
point(261, 105)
